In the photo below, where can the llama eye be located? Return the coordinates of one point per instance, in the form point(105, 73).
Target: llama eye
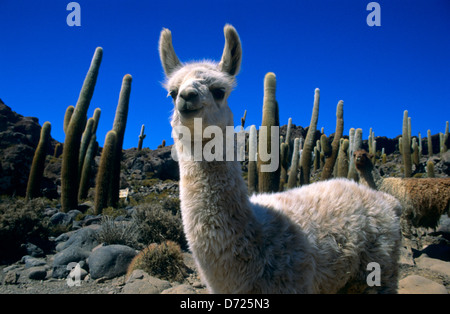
point(173, 93)
point(218, 93)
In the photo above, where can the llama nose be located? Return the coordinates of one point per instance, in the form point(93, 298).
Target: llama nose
point(188, 101)
point(189, 94)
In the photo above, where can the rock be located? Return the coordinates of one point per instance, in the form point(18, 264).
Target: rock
point(74, 213)
point(110, 261)
point(11, 278)
point(180, 289)
point(142, 283)
point(74, 250)
point(60, 218)
point(33, 250)
point(37, 273)
point(50, 211)
point(30, 261)
point(444, 224)
point(434, 264)
point(406, 256)
point(415, 284)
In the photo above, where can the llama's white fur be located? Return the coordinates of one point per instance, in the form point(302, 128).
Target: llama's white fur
point(315, 239)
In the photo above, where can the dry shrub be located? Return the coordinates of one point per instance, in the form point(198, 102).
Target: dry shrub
point(156, 223)
point(118, 232)
point(21, 221)
point(163, 261)
point(424, 200)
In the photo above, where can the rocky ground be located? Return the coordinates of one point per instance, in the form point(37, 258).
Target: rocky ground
point(424, 268)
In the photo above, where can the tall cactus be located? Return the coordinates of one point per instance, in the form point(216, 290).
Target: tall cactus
point(67, 117)
point(343, 159)
point(85, 140)
point(141, 137)
point(293, 171)
point(284, 162)
point(406, 145)
point(85, 175)
point(269, 181)
point(74, 131)
point(104, 175)
point(120, 122)
point(331, 161)
point(305, 161)
point(446, 141)
point(252, 169)
point(430, 143)
point(357, 144)
point(37, 167)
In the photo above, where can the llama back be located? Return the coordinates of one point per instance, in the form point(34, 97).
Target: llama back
point(347, 225)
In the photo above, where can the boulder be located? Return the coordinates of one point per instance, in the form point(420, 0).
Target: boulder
point(434, 264)
point(415, 284)
point(110, 261)
point(37, 273)
point(74, 250)
point(140, 282)
point(30, 261)
point(61, 218)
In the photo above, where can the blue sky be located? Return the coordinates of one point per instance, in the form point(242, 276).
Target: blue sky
point(378, 71)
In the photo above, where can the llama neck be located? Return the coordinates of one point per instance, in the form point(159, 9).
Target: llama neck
point(213, 195)
point(219, 223)
point(367, 178)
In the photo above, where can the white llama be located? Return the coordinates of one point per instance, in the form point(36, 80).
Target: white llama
point(316, 239)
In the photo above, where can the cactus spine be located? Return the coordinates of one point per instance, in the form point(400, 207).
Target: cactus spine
point(331, 160)
point(141, 137)
point(37, 167)
point(252, 169)
point(74, 131)
point(104, 175)
point(305, 160)
point(269, 181)
point(120, 122)
point(406, 145)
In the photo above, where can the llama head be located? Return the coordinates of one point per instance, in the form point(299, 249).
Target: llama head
point(363, 160)
point(200, 89)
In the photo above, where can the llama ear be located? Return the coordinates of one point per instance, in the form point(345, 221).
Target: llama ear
point(232, 52)
point(167, 54)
